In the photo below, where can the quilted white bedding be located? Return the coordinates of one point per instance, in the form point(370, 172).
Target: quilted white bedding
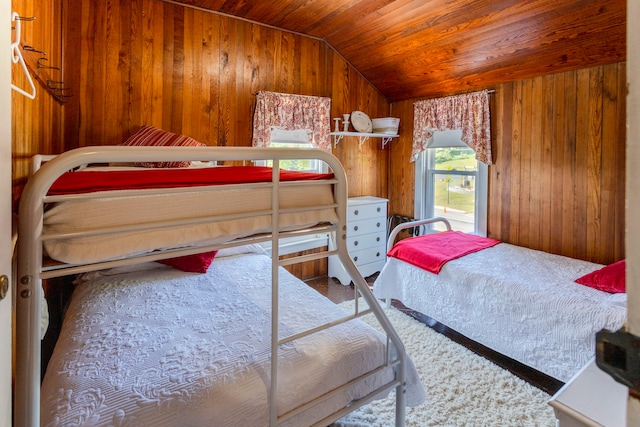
point(105, 212)
point(520, 302)
point(160, 347)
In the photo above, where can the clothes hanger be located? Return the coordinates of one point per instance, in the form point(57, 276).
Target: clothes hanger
point(16, 57)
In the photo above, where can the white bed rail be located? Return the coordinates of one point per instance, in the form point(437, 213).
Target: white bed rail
point(412, 224)
point(30, 260)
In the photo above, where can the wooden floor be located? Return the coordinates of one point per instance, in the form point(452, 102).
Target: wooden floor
point(338, 293)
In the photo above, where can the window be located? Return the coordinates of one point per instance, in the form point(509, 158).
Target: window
point(299, 138)
point(451, 183)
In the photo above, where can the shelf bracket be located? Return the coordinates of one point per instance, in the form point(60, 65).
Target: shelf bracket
point(362, 139)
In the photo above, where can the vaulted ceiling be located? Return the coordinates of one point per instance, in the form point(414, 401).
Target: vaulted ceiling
point(419, 48)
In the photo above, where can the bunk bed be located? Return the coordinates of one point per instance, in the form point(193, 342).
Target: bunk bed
point(149, 339)
point(523, 303)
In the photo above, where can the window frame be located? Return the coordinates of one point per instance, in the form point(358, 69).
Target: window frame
point(296, 244)
point(287, 137)
point(424, 206)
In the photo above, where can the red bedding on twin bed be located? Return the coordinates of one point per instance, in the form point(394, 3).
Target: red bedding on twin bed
point(432, 251)
point(88, 181)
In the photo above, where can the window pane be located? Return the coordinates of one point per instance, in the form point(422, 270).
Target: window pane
point(454, 187)
point(456, 158)
point(306, 165)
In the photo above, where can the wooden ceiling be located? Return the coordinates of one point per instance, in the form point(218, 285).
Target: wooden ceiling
point(424, 48)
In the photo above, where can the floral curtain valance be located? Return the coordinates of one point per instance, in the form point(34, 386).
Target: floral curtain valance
point(289, 112)
point(468, 112)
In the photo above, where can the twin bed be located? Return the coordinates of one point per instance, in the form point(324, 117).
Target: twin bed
point(192, 338)
point(520, 302)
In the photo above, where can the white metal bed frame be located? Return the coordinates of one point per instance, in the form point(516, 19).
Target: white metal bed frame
point(31, 270)
point(393, 234)
point(428, 224)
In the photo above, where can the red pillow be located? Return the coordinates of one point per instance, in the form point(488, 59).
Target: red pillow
point(196, 263)
point(610, 278)
point(153, 137)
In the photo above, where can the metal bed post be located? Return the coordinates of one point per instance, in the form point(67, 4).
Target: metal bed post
point(411, 224)
point(363, 289)
point(275, 258)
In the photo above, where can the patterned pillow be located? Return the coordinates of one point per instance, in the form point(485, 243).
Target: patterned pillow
point(151, 136)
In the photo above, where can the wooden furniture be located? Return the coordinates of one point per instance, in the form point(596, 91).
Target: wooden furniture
point(592, 398)
point(366, 237)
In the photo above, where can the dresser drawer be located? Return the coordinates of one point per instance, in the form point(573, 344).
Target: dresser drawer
point(367, 256)
point(366, 237)
point(366, 226)
point(371, 240)
point(363, 211)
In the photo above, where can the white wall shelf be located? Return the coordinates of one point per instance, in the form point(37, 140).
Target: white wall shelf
point(362, 137)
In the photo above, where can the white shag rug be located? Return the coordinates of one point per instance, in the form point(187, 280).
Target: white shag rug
point(463, 389)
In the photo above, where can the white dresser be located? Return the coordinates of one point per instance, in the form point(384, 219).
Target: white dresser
point(591, 399)
point(366, 237)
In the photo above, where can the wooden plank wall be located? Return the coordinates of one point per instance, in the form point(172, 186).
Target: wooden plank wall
point(558, 139)
point(189, 71)
point(559, 151)
point(37, 125)
point(558, 183)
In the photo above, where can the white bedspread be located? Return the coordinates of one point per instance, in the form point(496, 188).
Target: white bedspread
point(165, 348)
point(105, 212)
point(520, 302)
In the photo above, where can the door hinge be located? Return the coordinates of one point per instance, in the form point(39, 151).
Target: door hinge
point(618, 354)
point(4, 286)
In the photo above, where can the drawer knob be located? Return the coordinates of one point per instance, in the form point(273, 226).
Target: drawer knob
point(377, 239)
point(379, 209)
point(355, 258)
point(355, 243)
point(355, 212)
point(377, 253)
point(355, 228)
point(378, 225)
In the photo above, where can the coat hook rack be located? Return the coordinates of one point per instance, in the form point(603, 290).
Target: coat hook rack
point(60, 95)
point(33, 49)
point(54, 84)
point(41, 65)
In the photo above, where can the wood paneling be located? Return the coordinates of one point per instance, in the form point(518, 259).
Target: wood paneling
point(139, 62)
point(401, 171)
point(558, 181)
point(558, 138)
point(350, 92)
point(183, 70)
point(36, 124)
point(557, 184)
point(310, 269)
point(194, 72)
point(420, 48)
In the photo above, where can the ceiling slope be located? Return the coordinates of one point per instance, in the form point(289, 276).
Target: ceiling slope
point(425, 48)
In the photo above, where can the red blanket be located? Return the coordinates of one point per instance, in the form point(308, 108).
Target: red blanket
point(432, 251)
point(88, 181)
